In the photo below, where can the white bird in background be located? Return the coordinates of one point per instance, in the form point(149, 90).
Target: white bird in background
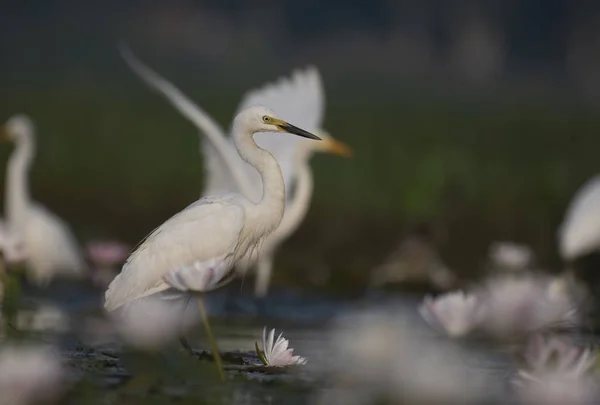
point(299, 98)
point(196, 248)
point(579, 233)
point(50, 245)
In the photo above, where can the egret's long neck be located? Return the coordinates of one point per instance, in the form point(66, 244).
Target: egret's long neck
point(272, 202)
point(297, 206)
point(17, 185)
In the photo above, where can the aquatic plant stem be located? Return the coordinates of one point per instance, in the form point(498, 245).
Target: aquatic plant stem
point(211, 339)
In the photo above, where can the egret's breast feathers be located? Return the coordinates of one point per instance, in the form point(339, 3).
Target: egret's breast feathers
point(206, 229)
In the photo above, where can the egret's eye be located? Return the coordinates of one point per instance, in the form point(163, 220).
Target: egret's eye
point(266, 118)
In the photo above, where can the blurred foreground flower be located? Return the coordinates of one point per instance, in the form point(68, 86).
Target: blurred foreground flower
point(557, 373)
point(387, 357)
point(509, 256)
point(107, 253)
point(147, 323)
point(275, 353)
point(517, 305)
point(29, 375)
point(106, 257)
point(455, 313)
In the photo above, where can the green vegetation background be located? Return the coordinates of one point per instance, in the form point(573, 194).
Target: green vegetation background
point(115, 159)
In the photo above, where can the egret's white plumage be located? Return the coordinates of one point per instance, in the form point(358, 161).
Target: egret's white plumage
point(579, 233)
point(299, 98)
point(51, 247)
point(205, 240)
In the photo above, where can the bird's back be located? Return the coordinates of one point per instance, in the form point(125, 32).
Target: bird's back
point(207, 229)
point(580, 232)
point(51, 246)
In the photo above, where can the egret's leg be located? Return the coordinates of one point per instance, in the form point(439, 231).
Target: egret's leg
point(263, 275)
point(184, 342)
point(211, 339)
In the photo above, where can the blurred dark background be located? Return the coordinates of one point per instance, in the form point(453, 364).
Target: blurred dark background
point(478, 119)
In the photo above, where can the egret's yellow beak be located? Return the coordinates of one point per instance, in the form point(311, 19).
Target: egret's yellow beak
point(338, 148)
point(291, 129)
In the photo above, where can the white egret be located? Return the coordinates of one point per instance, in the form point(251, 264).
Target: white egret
point(196, 248)
point(300, 97)
point(51, 247)
point(579, 233)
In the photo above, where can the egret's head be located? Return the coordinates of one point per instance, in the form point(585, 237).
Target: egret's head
point(261, 119)
point(332, 145)
point(17, 126)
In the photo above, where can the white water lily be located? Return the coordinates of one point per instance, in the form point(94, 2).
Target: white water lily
point(387, 356)
point(29, 375)
point(557, 372)
point(517, 305)
point(147, 323)
point(456, 313)
point(556, 354)
point(509, 256)
point(275, 353)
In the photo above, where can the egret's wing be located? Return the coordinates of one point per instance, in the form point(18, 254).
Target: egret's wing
point(223, 166)
point(580, 232)
point(218, 178)
point(51, 246)
point(298, 99)
point(207, 229)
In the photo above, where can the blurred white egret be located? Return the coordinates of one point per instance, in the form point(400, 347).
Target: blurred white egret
point(579, 233)
point(50, 245)
point(196, 248)
point(299, 98)
point(11, 245)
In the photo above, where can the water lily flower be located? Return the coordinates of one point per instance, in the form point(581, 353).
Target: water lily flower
point(29, 375)
point(106, 256)
point(509, 256)
point(557, 373)
point(456, 313)
point(107, 253)
point(517, 305)
point(275, 353)
point(387, 356)
point(146, 324)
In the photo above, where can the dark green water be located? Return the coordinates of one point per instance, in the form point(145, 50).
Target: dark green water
point(108, 373)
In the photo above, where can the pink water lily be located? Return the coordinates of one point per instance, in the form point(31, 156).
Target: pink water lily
point(107, 253)
point(557, 372)
point(275, 353)
point(456, 313)
point(556, 354)
point(516, 305)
